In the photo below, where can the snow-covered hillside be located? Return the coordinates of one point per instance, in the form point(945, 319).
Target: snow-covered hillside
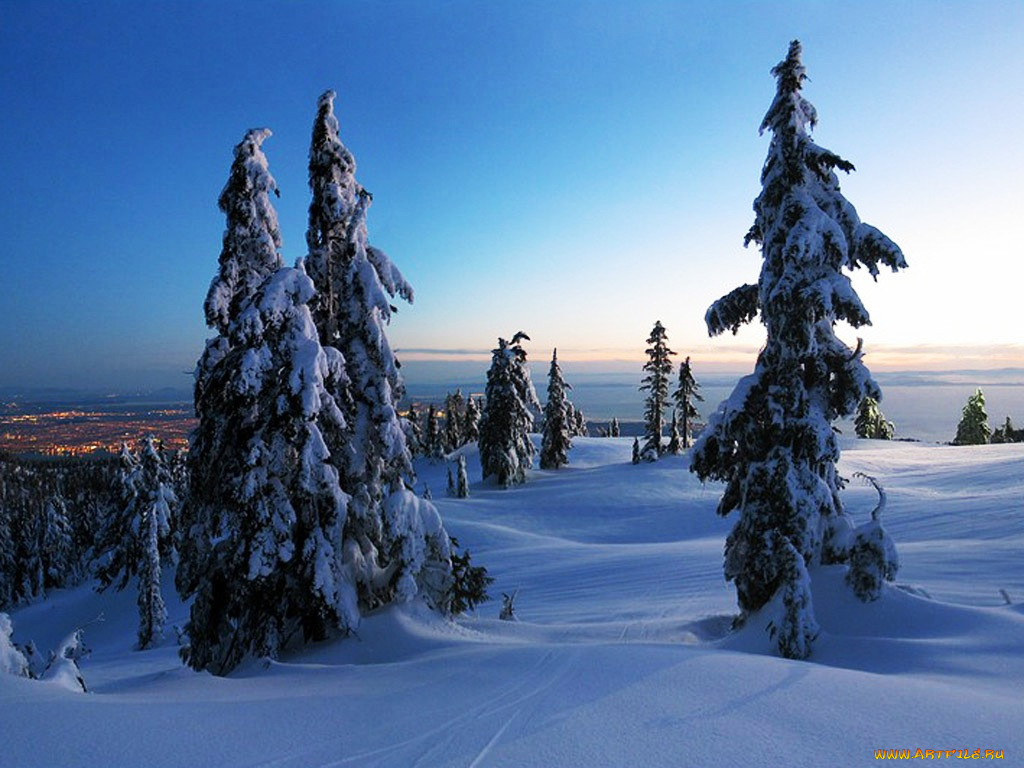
point(622, 655)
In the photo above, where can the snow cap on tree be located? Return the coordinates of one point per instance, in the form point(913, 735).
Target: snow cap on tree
point(252, 239)
point(355, 283)
point(771, 442)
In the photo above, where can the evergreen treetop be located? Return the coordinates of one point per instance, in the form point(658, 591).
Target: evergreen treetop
point(252, 239)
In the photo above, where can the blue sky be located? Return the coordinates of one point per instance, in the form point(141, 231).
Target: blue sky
point(575, 169)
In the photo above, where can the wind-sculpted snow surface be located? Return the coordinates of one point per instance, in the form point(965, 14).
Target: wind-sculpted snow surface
point(622, 654)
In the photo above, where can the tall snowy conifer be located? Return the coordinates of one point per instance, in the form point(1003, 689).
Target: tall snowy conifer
point(686, 397)
point(454, 405)
point(557, 434)
point(156, 508)
point(249, 254)
point(270, 567)
point(389, 532)
point(509, 404)
point(771, 441)
point(655, 383)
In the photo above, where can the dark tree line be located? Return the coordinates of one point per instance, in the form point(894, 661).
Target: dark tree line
point(56, 517)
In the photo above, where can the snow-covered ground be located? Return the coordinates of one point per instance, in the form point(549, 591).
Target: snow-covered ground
point(622, 655)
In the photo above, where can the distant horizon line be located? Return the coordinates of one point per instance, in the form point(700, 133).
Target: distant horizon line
point(623, 367)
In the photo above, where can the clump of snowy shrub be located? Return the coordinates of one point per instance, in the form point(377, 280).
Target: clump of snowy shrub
point(63, 669)
point(872, 552)
point(12, 660)
point(471, 582)
point(795, 628)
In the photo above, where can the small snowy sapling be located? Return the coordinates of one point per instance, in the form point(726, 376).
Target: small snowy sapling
point(558, 428)
point(973, 428)
point(655, 383)
point(872, 552)
point(508, 606)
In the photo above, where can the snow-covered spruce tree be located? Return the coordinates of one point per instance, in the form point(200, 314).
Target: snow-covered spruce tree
point(462, 481)
point(655, 383)
point(771, 442)
point(7, 553)
point(471, 422)
point(137, 534)
point(57, 546)
point(579, 421)
point(973, 428)
point(1003, 434)
point(509, 404)
point(675, 440)
point(156, 506)
point(413, 434)
point(454, 405)
point(613, 428)
point(117, 556)
point(144, 489)
point(249, 254)
point(557, 434)
point(433, 441)
point(260, 481)
point(394, 542)
point(686, 397)
point(871, 423)
point(635, 458)
point(471, 581)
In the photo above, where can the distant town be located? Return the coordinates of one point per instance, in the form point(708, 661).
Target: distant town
point(97, 428)
point(83, 429)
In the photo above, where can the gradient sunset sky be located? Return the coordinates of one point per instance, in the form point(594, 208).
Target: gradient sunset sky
point(577, 170)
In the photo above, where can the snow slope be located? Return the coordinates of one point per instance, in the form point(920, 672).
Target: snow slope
point(622, 655)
